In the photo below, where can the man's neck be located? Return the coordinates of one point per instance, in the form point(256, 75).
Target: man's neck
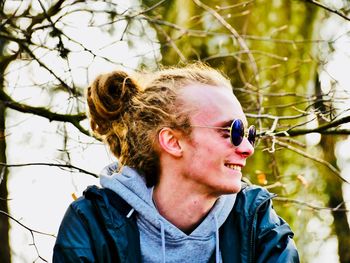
point(182, 205)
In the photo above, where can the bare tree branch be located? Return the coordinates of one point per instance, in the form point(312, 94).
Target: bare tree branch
point(32, 232)
point(321, 128)
point(316, 159)
point(172, 44)
point(74, 119)
point(328, 9)
point(313, 207)
point(240, 40)
point(69, 166)
point(204, 34)
point(151, 7)
point(53, 10)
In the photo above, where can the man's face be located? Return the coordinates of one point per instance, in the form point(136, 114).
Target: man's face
point(211, 163)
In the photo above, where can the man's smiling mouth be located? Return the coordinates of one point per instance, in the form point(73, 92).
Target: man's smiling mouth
point(234, 167)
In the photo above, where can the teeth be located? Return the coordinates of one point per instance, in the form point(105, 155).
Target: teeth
point(234, 167)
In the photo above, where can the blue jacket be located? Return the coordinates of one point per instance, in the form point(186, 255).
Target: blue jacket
point(96, 228)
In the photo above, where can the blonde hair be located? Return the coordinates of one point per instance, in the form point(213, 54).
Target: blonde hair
point(127, 112)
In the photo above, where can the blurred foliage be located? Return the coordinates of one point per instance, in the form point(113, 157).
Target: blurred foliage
point(268, 50)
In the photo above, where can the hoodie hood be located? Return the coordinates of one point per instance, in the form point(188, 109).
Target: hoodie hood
point(157, 233)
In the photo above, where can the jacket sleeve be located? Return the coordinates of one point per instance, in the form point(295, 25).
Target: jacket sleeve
point(274, 239)
point(73, 243)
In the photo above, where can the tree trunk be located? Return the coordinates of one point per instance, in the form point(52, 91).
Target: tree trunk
point(5, 255)
point(334, 187)
point(335, 193)
point(5, 252)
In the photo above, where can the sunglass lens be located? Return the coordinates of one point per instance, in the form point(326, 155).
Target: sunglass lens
point(252, 135)
point(237, 132)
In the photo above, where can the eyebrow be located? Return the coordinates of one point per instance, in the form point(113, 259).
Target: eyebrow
point(225, 123)
point(229, 122)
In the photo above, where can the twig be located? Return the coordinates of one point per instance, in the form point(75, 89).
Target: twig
point(316, 159)
point(32, 231)
point(272, 117)
point(51, 164)
point(71, 90)
point(235, 55)
point(315, 207)
point(202, 33)
point(328, 9)
point(151, 8)
point(220, 8)
point(21, 224)
point(240, 40)
point(173, 45)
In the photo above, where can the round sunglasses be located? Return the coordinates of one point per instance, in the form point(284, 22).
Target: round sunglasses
point(236, 132)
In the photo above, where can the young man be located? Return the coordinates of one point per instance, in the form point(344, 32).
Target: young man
point(175, 194)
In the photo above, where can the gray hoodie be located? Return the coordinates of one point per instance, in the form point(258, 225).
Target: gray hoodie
point(160, 240)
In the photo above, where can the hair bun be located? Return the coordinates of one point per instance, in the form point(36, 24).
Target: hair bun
point(109, 97)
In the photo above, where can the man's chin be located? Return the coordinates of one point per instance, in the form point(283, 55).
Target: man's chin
point(232, 189)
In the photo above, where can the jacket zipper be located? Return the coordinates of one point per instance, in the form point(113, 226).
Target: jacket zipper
point(252, 239)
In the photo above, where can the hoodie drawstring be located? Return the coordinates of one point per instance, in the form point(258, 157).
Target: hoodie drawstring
point(162, 232)
point(130, 213)
point(217, 247)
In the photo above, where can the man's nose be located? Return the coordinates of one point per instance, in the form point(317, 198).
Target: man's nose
point(245, 149)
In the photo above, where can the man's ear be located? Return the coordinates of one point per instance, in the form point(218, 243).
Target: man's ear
point(169, 141)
